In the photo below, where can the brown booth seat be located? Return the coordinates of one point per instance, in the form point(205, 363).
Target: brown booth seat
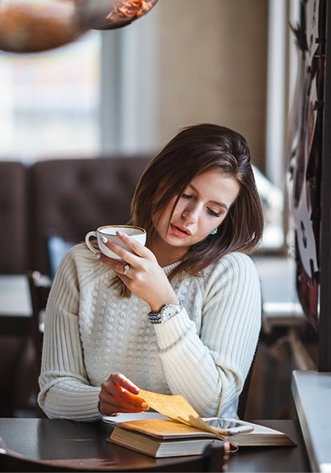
point(62, 197)
point(14, 219)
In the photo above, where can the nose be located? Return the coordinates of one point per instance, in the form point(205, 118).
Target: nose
point(191, 214)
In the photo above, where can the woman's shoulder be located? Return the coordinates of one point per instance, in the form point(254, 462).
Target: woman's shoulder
point(81, 261)
point(234, 262)
point(235, 270)
point(232, 267)
point(80, 252)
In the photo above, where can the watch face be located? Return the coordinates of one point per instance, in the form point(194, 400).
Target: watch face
point(170, 310)
point(167, 311)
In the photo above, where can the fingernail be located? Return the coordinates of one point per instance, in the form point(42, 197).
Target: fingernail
point(98, 255)
point(119, 233)
point(104, 239)
point(144, 405)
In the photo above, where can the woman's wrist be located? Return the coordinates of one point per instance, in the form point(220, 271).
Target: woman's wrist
point(99, 409)
point(157, 305)
point(113, 414)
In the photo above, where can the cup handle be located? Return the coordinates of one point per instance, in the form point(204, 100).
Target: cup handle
point(88, 243)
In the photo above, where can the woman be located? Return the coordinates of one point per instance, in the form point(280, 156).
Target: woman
point(181, 315)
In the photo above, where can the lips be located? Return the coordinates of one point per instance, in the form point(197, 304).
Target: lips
point(180, 231)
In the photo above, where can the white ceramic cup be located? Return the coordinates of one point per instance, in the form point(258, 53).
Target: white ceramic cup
point(109, 231)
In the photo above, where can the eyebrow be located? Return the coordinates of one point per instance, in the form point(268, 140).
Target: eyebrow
point(221, 204)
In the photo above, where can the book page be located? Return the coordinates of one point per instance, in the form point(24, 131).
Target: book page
point(133, 416)
point(167, 429)
point(177, 408)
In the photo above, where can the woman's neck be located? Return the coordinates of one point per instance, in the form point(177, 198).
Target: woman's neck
point(166, 254)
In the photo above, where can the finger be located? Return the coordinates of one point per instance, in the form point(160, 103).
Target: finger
point(117, 266)
point(121, 381)
point(124, 391)
point(131, 401)
point(114, 247)
point(110, 408)
point(123, 254)
point(120, 404)
point(108, 261)
point(134, 255)
point(120, 395)
point(133, 244)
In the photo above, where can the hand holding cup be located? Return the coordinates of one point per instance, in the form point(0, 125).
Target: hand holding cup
point(110, 233)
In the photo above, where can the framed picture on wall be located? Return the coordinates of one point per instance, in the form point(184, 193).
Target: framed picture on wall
point(309, 169)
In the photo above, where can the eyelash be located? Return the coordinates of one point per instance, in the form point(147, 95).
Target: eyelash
point(210, 211)
point(214, 214)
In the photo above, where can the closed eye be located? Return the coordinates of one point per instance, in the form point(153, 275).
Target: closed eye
point(213, 213)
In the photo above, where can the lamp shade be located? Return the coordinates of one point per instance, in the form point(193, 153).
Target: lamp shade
point(124, 12)
point(29, 26)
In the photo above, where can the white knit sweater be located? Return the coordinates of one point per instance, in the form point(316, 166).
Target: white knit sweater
point(203, 353)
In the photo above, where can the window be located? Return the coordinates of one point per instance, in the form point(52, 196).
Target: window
point(49, 102)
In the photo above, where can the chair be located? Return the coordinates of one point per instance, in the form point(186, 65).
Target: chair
point(214, 459)
point(243, 398)
point(39, 285)
point(29, 370)
point(102, 187)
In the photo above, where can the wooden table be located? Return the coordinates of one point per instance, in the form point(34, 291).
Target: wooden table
point(15, 351)
point(61, 439)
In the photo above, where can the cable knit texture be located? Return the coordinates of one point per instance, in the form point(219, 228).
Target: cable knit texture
point(203, 353)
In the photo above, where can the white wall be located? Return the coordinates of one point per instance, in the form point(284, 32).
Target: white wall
point(187, 62)
point(214, 66)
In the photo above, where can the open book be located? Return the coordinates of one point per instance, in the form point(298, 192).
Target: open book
point(179, 430)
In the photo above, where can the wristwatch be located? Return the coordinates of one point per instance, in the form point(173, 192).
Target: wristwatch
point(167, 312)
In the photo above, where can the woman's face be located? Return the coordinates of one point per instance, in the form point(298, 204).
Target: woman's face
point(200, 209)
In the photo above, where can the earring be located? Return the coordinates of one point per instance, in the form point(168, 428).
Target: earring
point(213, 232)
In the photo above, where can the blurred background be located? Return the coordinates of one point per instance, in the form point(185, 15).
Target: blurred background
point(130, 90)
point(126, 92)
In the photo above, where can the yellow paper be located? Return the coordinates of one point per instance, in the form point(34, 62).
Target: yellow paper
point(177, 408)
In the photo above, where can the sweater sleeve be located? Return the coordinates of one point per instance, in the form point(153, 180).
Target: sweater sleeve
point(65, 391)
point(209, 368)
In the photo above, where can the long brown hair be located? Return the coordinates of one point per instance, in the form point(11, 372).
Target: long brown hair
point(193, 151)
